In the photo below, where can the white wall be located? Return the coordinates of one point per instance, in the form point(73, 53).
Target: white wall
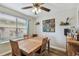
point(58, 40)
point(32, 28)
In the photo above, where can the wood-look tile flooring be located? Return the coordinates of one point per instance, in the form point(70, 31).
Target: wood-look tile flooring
point(6, 47)
point(53, 52)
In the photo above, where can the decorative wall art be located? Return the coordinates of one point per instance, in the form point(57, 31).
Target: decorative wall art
point(66, 22)
point(49, 25)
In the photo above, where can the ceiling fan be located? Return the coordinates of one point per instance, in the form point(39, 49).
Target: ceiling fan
point(37, 7)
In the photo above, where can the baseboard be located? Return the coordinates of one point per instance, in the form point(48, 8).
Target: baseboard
point(61, 49)
point(53, 47)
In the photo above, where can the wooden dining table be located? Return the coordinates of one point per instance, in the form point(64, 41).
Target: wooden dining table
point(30, 46)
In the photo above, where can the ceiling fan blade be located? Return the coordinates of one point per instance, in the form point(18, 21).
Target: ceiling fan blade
point(27, 7)
point(37, 4)
point(45, 9)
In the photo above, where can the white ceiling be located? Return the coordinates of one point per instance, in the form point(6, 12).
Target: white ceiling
point(52, 6)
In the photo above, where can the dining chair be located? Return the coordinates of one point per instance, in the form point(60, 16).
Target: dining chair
point(15, 48)
point(76, 50)
point(42, 50)
point(26, 36)
point(34, 35)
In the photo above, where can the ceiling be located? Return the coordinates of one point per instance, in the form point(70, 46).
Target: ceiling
point(52, 6)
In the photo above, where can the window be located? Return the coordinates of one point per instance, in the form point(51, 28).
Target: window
point(12, 27)
point(21, 27)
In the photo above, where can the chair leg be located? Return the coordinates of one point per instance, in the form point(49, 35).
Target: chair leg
point(48, 45)
point(45, 53)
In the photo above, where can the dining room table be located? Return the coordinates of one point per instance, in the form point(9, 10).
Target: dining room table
point(31, 45)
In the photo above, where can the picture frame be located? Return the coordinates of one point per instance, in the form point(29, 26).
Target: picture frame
point(49, 25)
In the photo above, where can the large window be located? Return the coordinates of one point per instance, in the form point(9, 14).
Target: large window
point(21, 27)
point(12, 27)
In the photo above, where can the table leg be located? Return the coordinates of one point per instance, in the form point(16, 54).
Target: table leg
point(48, 45)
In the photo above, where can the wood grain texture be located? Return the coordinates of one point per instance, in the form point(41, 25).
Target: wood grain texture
point(42, 50)
point(72, 47)
point(15, 48)
point(31, 45)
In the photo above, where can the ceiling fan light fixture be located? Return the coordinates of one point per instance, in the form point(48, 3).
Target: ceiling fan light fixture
point(36, 10)
point(39, 10)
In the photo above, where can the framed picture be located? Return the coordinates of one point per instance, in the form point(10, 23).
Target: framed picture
point(49, 25)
